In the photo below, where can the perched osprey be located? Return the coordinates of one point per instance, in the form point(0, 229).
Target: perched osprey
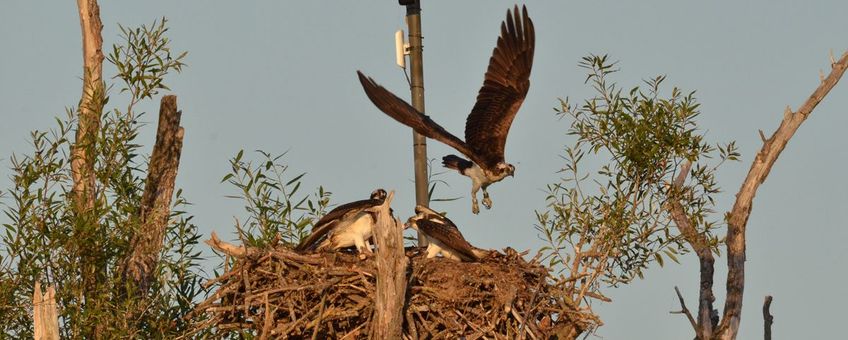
point(443, 237)
point(347, 225)
point(504, 88)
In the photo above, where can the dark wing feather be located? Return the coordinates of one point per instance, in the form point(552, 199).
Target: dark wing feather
point(323, 227)
point(449, 235)
point(504, 88)
point(407, 115)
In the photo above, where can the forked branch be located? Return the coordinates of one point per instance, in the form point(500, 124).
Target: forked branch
point(738, 217)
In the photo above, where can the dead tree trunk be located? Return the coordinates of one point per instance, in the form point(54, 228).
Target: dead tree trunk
point(737, 220)
point(90, 106)
point(83, 150)
point(146, 243)
point(391, 275)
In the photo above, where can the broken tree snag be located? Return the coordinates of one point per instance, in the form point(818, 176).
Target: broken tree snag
point(391, 265)
point(45, 320)
point(90, 105)
point(738, 217)
point(768, 319)
point(155, 209)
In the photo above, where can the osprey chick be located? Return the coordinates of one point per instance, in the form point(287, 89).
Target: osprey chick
point(443, 237)
point(504, 87)
point(347, 225)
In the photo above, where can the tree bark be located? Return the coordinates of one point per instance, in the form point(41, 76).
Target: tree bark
point(146, 242)
point(391, 275)
point(738, 217)
point(90, 106)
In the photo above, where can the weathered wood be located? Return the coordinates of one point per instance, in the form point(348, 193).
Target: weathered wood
point(391, 265)
point(708, 326)
point(45, 319)
point(738, 217)
point(155, 209)
point(768, 319)
point(83, 150)
point(90, 106)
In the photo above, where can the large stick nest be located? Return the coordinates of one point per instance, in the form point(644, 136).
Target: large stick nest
point(280, 293)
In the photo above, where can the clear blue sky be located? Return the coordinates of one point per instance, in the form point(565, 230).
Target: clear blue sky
point(280, 76)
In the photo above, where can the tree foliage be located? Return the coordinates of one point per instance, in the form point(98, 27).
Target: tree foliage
point(47, 240)
point(276, 210)
point(606, 225)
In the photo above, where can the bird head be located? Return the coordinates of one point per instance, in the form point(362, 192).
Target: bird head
point(378, 194)
point(506, 169)
point(410, 223)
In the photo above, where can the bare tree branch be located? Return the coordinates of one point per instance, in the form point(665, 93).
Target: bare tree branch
point(738, 217)
point(684, 310)
point(768, 319)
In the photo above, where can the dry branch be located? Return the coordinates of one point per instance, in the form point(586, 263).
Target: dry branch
point(155, 210)
point(708, 326)
point(684, 310)
point(768, 319)
point(227, 248)
point(738, 219)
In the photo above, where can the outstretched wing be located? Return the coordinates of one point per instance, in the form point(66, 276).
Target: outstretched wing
point(323, 227)
point(504, 88)
point(448, 234)
point(407, 115)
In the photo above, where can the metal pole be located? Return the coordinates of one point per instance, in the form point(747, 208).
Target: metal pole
point(419, 142)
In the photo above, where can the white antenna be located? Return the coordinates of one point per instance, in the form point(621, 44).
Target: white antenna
point(401, 49)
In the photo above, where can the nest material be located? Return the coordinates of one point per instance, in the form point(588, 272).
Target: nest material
point(279, 293)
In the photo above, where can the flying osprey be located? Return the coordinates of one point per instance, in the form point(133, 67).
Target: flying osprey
point(504, 88)
point(347, 225)
point(443, 237)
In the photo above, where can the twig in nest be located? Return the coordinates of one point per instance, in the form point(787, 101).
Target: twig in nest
point(226, 248)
